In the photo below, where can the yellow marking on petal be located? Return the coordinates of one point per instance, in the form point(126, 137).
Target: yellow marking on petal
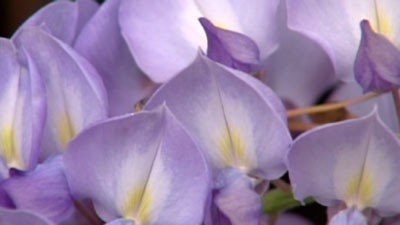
point(234, 149)
point(66, 130)
point(383, 23)
point(9, 147)
point(360, 190)
point(138, 205)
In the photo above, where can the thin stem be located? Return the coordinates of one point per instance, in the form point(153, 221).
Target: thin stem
point(396, 99)
point(331, 106)
point(301, 126)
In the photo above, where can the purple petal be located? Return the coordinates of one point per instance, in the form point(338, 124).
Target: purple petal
point(230, 48)
point(352, 158)
point(62, 19)
point(300, 71)
point(23, 108)
point(235, 123)
point(175, 39)
point(237, 200)
point(43, 191)
point(17, 217)
point(121, 222)
point(142, 167)
point(76, 97)
point(334, 25)
point(102, 44)
point(348, 217)
point(377, 65)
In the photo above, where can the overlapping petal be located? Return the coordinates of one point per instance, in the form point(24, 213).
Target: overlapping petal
point(75, 94)
point(377, 63)
point(43, 191)
point(16, 217)
point(335, 25)
point(101, 42)
point(142, 167)
point(230, 48)
point(357, 164)
point(22, 105)
point(174, 39)
point(300, 70)
point(348, 217)
point(62, 19)
point(236, 120)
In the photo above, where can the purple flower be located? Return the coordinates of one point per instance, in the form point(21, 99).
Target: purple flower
point(144, 168)
point(164, 37)
point(354, 162)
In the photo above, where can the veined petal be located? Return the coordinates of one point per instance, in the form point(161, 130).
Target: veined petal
point(75, 93)
point(340, 37)
point(14, 217)
point(357, 164)
point(102, 44)
point(377, 65)
point(143, 167)
point(43, 191)
point(235, 124)
point(23, 108)
point(174, 40)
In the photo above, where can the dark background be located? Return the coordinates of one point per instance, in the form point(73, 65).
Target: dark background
point(14, 12)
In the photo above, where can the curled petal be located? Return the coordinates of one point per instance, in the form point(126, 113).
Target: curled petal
point(230, 48)
point(175, 39)
point(377, 65)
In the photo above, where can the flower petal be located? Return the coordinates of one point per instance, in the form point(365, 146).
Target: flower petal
point(230, 48)
point(102, 44)
point(62, 19)
point(377, 65)
point(237, 200)
point(142, 167)
point(235, 124)
point(357, 164)
point(23, 108)
point(43, 191)
point(13, 217)
point(348, 217)
point(75, 93)
point(175, 39)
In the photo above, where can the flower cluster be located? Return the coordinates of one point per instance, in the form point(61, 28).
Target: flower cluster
point(192, 112)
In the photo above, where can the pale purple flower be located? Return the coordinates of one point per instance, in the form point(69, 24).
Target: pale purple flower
point(353, 162)
point(142, 168)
